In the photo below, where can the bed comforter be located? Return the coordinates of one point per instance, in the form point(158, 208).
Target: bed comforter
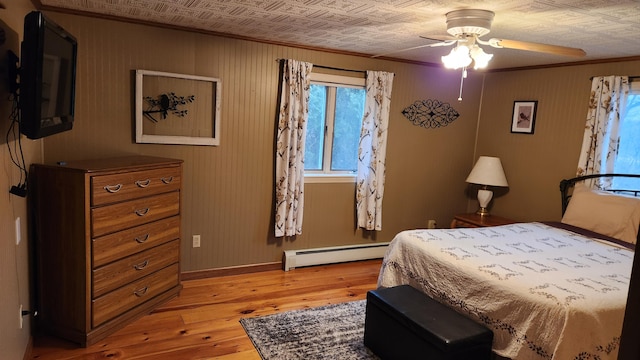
point(546, 293)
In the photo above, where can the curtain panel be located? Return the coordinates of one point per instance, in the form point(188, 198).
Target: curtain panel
point(600, 141)
point(372, 150)
point(290, 139)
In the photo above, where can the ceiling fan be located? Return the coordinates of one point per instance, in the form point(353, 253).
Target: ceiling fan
point(466, 26)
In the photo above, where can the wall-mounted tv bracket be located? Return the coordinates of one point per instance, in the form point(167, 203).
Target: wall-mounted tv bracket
point(12, 72)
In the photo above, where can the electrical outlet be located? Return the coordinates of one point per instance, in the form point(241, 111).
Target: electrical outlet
point(196, 241)
point(20, 316)
point(18, 234)
point(431, 224)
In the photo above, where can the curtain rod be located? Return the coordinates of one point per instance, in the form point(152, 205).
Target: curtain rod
point(333, 68)
point(339, 69)
point(630, 78)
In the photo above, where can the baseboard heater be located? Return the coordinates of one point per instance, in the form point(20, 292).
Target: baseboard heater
point(330, 255)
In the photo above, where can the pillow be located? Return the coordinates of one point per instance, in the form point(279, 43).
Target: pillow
point(613, 215)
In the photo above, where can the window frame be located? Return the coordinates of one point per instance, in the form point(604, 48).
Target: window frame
point(634, 88)
point(326, 175)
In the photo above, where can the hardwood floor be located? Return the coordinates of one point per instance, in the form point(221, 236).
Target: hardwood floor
point(203, 322)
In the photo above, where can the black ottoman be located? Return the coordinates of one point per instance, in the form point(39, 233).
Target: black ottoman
point(403, 323)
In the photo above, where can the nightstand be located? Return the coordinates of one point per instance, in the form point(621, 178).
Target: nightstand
point(473, 220)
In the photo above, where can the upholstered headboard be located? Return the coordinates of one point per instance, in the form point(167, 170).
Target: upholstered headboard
point(566, 186)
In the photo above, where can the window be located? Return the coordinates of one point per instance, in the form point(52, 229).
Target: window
point(628, 160)
point(336, 108)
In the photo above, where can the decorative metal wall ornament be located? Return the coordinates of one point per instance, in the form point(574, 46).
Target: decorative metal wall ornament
point(166, 103)
point(430, 113)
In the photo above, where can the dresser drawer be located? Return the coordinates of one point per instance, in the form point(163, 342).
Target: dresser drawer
point(125, 215)
point(115, 246)
point(106, 189)
point(129, 296)
point(129, 269)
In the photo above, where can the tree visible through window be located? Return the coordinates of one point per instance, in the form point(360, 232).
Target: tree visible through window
point(333, 129)
point(346, 130)
point(628, 160)
point(314, 143)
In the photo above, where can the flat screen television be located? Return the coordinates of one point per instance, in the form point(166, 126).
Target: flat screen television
point(47, 77)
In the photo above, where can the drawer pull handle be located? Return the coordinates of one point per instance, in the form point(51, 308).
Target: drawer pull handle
point(142, 212)
point(142, 265)
point(141, 240)
point(141, 292)
point(143, 183)
point(168, 180)
point(113, 188)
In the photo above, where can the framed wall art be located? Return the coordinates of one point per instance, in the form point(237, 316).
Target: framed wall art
point(524, 116)
point(177, 109)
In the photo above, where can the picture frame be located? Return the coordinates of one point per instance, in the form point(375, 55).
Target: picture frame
point(523, 119)
point(175, 108)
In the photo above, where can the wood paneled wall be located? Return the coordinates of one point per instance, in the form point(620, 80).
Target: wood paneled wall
point(14, 259)
point(228, 196)
point(228, 189)
point(535, 164)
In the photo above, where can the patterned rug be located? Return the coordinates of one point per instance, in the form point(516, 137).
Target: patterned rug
point(327, 332)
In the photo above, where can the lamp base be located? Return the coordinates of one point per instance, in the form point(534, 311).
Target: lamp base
point(484, 197)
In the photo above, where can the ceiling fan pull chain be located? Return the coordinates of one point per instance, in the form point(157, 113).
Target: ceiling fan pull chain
point(462, 76)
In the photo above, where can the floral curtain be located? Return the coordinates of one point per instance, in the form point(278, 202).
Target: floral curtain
point(292, 127)
point(600, 142)
point(372, 150)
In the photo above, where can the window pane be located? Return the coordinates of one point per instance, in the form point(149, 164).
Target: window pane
point(628, 160)
point(314, 142)
point(346, 132)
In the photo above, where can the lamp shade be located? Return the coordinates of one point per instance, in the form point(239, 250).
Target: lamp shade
point(488, 171)
point(457, 58)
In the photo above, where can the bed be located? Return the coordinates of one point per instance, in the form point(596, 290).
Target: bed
point(548, 290)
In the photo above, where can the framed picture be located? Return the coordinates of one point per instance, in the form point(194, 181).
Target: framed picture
point(177, 109)
point(524, 116)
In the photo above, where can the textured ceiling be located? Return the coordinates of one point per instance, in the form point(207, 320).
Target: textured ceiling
point(604, 29)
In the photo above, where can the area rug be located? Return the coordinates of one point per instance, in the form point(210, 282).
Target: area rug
point(327, 332)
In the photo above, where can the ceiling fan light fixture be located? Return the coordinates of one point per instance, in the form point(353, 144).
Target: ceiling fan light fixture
point(480, 58)
point(462, 56)
point(457, 58)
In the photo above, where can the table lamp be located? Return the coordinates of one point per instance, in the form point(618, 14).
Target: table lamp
point(487, 172)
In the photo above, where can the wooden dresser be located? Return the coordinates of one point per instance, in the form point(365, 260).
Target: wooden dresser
point(106, 243)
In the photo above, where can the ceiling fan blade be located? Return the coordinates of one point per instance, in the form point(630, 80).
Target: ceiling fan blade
point(402, 50)
point(530, 46)
point(439, 37)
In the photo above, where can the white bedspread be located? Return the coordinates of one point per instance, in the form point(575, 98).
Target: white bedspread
point(546, 293)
